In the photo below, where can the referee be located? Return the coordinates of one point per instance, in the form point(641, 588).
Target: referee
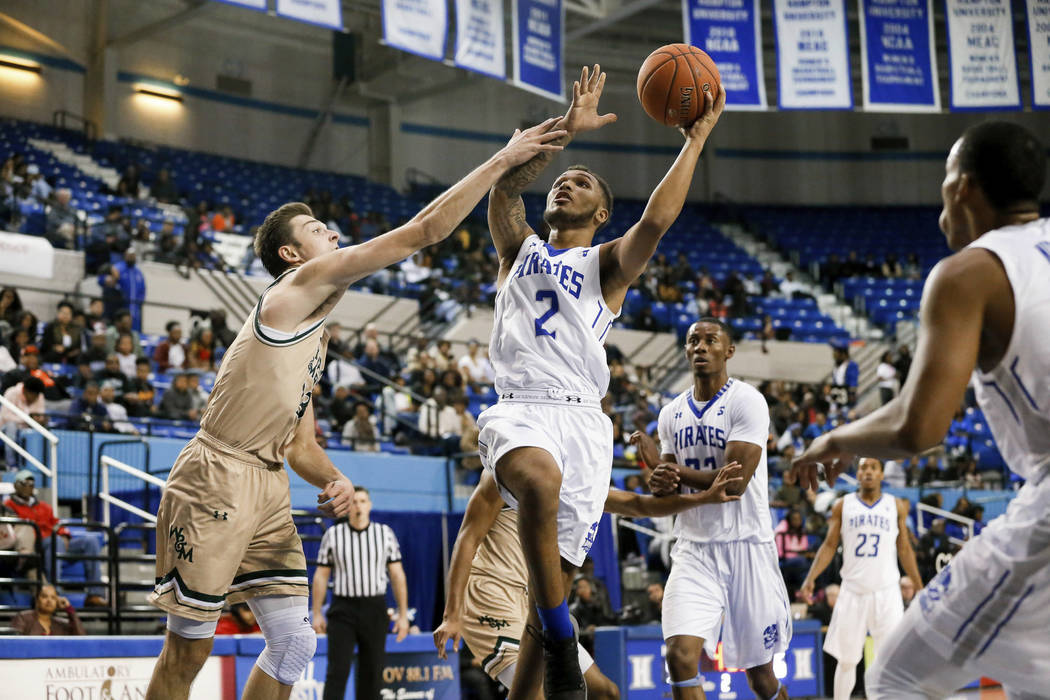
point(364, 554)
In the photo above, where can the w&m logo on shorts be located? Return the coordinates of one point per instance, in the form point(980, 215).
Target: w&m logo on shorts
point(492, 622)
point(181, 550)
point(770, 636)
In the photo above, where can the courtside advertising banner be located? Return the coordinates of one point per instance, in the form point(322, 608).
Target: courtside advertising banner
point(897, 56)
point(981, 55)
point(479, 37)
point(539, 47)
point(730, 32)
point(1039, 45)
point(416, 26)
point(326, 13)
point(812, 54)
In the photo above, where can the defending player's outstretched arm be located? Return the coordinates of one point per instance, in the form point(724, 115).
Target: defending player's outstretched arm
point(321, 280)
point(826, 552)
point(308, 460)
point(635, 505)
point(506, 210)
point(955, 301)
point(625, 258)
point(482, 510)
point(905, 553)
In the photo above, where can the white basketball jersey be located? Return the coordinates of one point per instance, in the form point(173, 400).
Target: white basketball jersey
point(551, 321)
point(697, 433)
point(1015, 395)
point(869, 544)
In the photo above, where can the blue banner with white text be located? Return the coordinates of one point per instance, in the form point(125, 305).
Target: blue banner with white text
point(730, 32)
point(897, 56)
point(539, 47)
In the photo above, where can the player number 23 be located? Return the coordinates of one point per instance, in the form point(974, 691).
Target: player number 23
point(873, 540)
point(549, 295)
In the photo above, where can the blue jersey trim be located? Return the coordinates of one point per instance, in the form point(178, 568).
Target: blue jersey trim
point(701, 411)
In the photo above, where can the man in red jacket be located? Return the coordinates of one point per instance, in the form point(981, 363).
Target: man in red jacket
point(28, 507)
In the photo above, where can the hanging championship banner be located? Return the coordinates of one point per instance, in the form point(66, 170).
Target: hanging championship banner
point(981, 55)
point(416, 26)
point(327, 13)
point(252, 4)
point(1039, 46)
point(897, 56)
point(730, 32)
point(812, 54)
point(479, 37)
point(538, 46)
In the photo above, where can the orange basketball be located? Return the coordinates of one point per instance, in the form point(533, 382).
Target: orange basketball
point(672, 81)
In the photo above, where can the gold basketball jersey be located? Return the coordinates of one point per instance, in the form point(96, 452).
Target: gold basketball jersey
point(264, 386)
point(499, 555)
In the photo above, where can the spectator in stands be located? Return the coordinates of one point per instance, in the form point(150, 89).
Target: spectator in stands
point(907, 590)
point(891, 267)
point(475, 367)
point(343, 373)
point(39, 189)
point(645, 321)
point(96, 353)
point(452, 381)
point(60, 213)
point(132, 285)
point(340, 409)
point(443, 357)
point(239, 620)
point(224, 335)
point(200, 396)
point(139, 392)
point(111, 370)
point(87, 411)
point(886, 374)
point(61, 339)
point(129, 185)
point(28, 507)
point(655, 598)
point(930, 471)
point(337, 344)
point(894, 475)
point(141, 241)
point(903, 364)
point(396, 400)
point(10, 308)
point(223, 221)
point(201, 352)
point(170, 353)
point(125, 352)
point(769, 283)
point(831, 271)
point(846, 375)
point(793, 549)
point(30, 367)
point(791, 495)
point(177, 402)
point(117, 413)
point(122, 323)
point(360, 431)
point(913, 267)
point(28, 396)
point(791, 288)
point(418, 357)
point(455, 421)
point(167, 250)
point(823, 608)
point(163, 189)
point(588, 611)
point(27, 321)
point(40, 621)
point(933, 544)
point(375, 363)
point(95, 320)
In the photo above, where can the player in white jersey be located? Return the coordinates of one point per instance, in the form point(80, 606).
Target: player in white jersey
point(547, 441)
point(873, 528)
point(725, 578)
point(985, 311)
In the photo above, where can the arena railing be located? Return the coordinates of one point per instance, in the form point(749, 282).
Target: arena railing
point(106, 463)
point(967, 524)
point(51, 470)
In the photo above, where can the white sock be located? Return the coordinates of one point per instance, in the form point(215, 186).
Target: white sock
point(845, 679)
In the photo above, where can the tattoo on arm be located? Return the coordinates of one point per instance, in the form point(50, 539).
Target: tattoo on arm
point(514, 182)
point(508, 227)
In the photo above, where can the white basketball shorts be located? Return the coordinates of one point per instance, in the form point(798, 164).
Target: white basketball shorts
point(855, 615)
point(738, 580)
point(580, 440)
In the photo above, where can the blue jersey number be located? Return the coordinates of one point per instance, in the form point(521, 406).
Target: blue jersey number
point(694, 463)
point(553, 297)
point(864, 539)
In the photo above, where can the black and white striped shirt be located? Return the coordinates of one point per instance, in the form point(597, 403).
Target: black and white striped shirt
point(359, 558)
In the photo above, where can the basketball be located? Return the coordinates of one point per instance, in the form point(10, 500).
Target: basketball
point(671, 82)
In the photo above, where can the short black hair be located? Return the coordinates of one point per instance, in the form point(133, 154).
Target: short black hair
point(171, 324)
point(66, 303)
point(1007, 161)
point(723, 326)
point(121, 314)
point(606, 191)
point(33, 384)
point(276, 231)
point(358, 487)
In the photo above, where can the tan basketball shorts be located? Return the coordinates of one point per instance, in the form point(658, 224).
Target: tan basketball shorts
point(224, 533)
point(494, 616)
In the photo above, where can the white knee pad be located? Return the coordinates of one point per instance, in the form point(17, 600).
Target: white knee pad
point(191, 629)
point(290, 640)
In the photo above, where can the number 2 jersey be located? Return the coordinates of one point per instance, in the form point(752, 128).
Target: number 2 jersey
point(551, 322)
point(869, 544)
point(696, 433)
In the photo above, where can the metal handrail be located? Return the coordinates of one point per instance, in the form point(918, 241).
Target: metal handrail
point(105, 462)
point(50, 471)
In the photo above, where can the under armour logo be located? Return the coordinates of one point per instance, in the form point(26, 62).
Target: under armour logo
point(507, 396)
point(223, 516)
point(577, 399)
point(678, 415)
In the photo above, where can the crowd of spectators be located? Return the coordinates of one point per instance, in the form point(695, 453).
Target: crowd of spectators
point(891, 267)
